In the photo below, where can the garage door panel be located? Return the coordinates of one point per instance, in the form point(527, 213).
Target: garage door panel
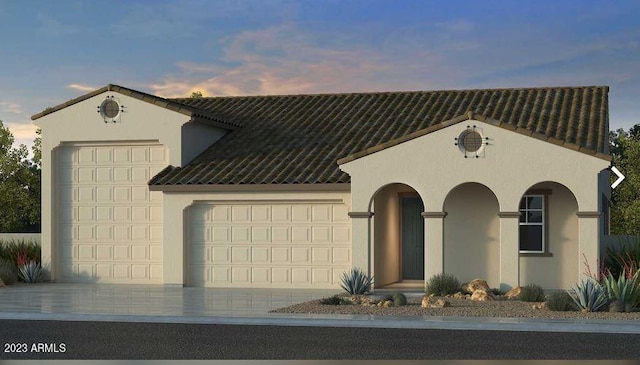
point(268, 245)
point(111, 227)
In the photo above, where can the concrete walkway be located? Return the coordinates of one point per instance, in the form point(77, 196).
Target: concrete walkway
point(160, 304)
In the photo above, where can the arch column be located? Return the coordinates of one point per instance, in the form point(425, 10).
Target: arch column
point(433, 243)
point(509, 250)
point(362, 253)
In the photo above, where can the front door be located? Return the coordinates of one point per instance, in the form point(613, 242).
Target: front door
point(412, 238)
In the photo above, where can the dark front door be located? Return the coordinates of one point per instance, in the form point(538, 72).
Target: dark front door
point(412, 238)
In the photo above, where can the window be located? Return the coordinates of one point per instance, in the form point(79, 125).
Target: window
point(532, 227)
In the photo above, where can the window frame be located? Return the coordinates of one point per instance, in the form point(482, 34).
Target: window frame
point(544, 223)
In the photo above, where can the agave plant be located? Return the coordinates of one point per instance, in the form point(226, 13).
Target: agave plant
point(356, 282)
point(624, 289)
point(589, 295)
point(30, 272)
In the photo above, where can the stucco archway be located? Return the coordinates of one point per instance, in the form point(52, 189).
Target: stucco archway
point(472, 233)
point(398, 231)
point(557, 266)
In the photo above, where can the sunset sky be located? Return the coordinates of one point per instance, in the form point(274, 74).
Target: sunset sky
point(53, 51)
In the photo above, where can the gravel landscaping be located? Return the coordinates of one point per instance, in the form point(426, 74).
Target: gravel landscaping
point(459, 307)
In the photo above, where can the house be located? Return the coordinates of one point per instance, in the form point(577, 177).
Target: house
point(290, 191)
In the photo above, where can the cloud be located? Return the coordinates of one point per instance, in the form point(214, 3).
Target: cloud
point(81, 87)
point(283, 60)
point(10, 107)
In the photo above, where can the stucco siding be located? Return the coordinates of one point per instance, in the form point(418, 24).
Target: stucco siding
point(472, 234)
point(559, 271)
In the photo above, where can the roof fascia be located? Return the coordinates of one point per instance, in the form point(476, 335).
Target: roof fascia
point(213, 188)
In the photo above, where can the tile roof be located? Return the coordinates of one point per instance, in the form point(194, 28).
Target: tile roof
point(298, 139)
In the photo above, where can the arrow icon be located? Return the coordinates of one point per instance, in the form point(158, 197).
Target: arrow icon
point(620, 177)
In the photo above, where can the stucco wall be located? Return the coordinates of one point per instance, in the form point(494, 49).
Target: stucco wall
point(559, 271)
point(472, 234)
point(508, 166)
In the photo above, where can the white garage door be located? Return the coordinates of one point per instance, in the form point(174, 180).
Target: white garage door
point(284, 245)
point(110, 224)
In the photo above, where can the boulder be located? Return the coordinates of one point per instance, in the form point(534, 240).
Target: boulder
point(474, 285)
point(431, 302)
point(513, 293)
point(482, 295)
point(460, 295)
point(388, 304)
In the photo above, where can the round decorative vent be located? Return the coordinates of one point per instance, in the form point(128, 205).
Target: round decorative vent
point(471, 141)
point(110, 108)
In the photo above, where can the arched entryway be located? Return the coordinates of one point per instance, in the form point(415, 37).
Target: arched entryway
point(398, 231)
point(548, 237)
point(472, 234)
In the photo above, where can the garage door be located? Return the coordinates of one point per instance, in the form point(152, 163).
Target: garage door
point(110, 224)
point(282, 245)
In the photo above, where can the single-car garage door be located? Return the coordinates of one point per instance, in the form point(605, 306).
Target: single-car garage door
point(109, 223)
point(277, 245)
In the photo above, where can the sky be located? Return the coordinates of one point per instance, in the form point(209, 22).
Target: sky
point(53, 51)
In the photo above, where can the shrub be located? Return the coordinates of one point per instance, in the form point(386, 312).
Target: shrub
point(497, 291)
point(30, 272)
point(589, 295)
point(386, 297)
point(442, 284)
point(531, 293)
point(626, 257)
point(399, 300)
point(623, 289)
point(560, 301)
point(19, 251)
point(8, 272)
point(356, 282)
point(334, 300)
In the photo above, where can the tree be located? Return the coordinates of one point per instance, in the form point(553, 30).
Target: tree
point(19, 186)
point(625, 198)
point(196, 94)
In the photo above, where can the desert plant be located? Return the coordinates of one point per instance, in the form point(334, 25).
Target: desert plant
point(531, 293)
point(624, 289)
point(589, 295)
point(399, 299)
point(8, 272)
point(17, 250)
point(386, 297)
point(560, 301)
point(625, 257)
point(442, 284)
point(30, 272)
point(356, 282)
point(334, 300)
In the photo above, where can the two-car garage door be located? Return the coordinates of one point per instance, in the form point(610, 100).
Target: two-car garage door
point(295, 244)
point(110, 224)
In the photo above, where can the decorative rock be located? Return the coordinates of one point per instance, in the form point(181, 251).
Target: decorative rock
point(513, 293)
point(542, 305)
point(431, 302)
point(460, 295)
point(474, 285)
point(482, 295)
